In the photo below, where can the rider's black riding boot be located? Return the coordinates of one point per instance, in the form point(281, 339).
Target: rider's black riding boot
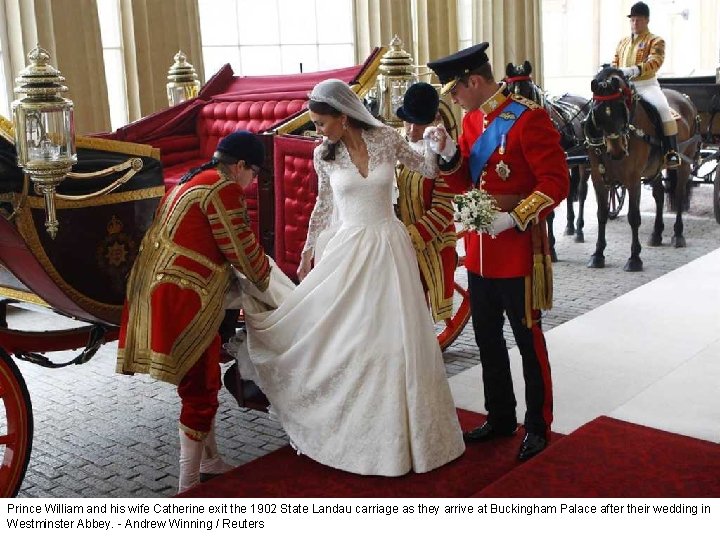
point(672, 157)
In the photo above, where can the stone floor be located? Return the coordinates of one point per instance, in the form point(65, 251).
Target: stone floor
point(99, 434)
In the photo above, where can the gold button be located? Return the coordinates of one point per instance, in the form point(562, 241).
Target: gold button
point(157, 244)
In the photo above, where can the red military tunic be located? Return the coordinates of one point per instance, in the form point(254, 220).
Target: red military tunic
point(528, 179)
point(175, 292)
point(426, 208)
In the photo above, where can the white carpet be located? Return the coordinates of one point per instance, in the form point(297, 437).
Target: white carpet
point(651, 356)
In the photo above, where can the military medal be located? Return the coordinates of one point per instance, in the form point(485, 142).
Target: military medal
point(502, 170)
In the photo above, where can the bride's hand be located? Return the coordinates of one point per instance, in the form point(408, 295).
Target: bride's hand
point(305, 265)
point(439, 141)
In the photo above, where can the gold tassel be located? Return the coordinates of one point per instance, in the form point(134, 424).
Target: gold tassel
point(538, 282)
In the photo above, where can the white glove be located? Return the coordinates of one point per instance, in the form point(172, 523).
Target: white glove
point(434, 135)
point(630, 72)
point(502, 222)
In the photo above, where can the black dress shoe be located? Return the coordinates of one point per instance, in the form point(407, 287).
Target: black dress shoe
point(487, 432)
point(531, 446)
point(246, 393)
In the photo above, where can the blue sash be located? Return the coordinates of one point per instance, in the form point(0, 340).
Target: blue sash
point(491, 138)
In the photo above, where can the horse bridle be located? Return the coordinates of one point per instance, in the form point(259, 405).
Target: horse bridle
point(627, 100)
point(513, 81)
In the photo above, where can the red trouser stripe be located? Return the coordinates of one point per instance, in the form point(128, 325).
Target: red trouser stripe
point(544, 362)
point(198, 390)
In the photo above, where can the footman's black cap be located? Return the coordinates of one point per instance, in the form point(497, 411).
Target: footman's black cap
point(420, 104)
point(243, 145)
point(640, 9)
point(451, 68)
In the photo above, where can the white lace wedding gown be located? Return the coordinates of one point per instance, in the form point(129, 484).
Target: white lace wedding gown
point(349, 359)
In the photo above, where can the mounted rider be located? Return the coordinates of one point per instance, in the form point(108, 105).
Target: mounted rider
point(639, 56)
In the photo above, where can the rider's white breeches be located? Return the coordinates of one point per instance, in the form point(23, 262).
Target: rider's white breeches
point(650, 90)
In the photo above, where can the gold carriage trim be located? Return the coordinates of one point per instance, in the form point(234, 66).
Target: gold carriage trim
point(23, 296)
point(529, 209)
point(7, 131)
point(102, 310)
point(27, 229)
point(36, 202)
point(122, 147)
point(364, 83)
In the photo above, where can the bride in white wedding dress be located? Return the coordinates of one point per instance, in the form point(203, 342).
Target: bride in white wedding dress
point(349, 358)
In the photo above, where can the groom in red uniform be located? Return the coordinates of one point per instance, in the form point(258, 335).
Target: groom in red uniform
point(510, 148)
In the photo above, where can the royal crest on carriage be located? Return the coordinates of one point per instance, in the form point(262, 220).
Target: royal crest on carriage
point(116, 253)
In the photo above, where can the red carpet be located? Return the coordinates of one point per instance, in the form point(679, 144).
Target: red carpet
point(612, 458)
point(285, 474)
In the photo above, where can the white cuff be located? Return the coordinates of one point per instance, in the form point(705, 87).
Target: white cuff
point(450, 148)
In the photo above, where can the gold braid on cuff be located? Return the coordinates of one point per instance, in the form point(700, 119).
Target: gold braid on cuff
point(529, 209)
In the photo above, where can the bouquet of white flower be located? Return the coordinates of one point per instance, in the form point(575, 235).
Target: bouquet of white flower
point(476, 210)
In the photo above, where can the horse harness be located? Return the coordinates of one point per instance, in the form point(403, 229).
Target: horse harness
point(630, 100)
point(566, 112)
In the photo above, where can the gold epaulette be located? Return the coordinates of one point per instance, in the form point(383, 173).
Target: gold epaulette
point(529, 103)
point(529, 209)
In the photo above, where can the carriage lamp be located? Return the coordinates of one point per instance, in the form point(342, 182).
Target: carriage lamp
point(396, 74)
point(44, 130)
point(183, 81)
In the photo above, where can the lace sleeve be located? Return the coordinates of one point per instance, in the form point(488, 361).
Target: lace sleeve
point(322, 214)
point(424, 164)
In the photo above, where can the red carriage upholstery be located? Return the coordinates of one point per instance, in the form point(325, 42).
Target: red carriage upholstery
point(295, 194)
point(188, 133)
point(214, 121)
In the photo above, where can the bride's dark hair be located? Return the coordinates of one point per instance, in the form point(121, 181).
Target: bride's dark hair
point(320, 107)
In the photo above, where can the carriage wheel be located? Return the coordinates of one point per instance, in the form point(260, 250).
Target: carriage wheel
point(16, 427)
point(616, 199)
point(716, 193)
point(449, 329)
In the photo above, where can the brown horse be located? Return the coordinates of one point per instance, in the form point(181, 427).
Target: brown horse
point(567, 113)
point(625, 147)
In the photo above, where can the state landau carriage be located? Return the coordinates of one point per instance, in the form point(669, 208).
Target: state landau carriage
point(76, 264)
